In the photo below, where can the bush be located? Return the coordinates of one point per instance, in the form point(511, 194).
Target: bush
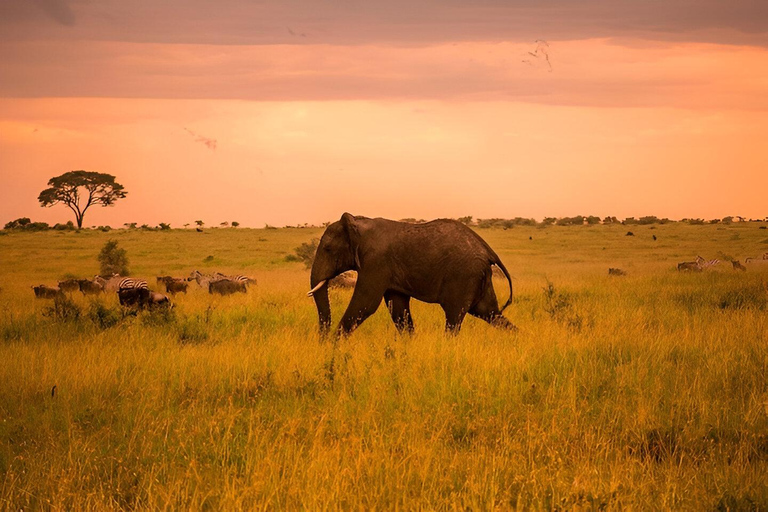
point(103, 316)
point(69, 226)
point(164, 226)
point(305, 253)
point(63, 309)
point(24, 224)
point(113, 260)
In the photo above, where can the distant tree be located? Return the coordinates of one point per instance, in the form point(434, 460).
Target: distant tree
point(199, 223)
point(224, 224)
point(593, 220)
point(548, 221)
point(113, 260)
point(186, 225)
point(466, 220)
point(727, 220)
point(79, 190)
point(610, 220)
point(234, 223)
point(164, 226)
point(130, 225)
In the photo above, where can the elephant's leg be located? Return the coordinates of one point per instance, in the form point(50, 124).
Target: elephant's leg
point(399, 309)
point(365, 301)
point(487, 308)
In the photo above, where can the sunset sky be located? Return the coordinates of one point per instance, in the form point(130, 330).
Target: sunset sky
point(294, 111)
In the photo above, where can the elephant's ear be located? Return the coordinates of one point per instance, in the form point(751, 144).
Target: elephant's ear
point(353, 232)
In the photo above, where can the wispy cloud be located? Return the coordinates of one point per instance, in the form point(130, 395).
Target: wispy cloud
point(207, 141)
point(58, 10)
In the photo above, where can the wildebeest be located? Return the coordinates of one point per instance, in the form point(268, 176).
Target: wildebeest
point(88, 287)
point(690, 266)
point(46, 292)
point(226, 287)
point(173, 284)
point(738, 266)
point(654, 237)
point(142, 298)
point(616, 272)
point(629, 233)
point(69, 285)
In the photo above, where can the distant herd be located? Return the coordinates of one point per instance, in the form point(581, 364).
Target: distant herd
point(700, 264)
point(135, 292)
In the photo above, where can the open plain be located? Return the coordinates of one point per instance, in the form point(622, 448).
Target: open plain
point(647, 390)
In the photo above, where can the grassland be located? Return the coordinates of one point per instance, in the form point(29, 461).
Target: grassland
point(648, 391)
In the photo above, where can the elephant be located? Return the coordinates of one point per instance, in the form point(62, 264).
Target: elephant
point(441, 262)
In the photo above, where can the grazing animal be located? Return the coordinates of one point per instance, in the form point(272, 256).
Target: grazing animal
point(88, 287)
point(239, 278)
point(199, 230)
point(442, 262)
point(704, 264)
point(226, 287)
point(616, 272)
point(130, 283)
point(344, 280)
point(69, 286)
point(47, 292)
point(201, 279)
point(173, 285)
point(689, 266)
point(756, 261)
point(109, 283)
point(654, 237)
point(142, 298)
point(629, 233)
point(738, 266)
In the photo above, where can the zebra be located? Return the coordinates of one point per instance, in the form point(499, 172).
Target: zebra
point(236, 278)
point(130, 283)
point(704, 264)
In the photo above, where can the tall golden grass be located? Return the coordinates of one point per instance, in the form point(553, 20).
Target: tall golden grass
point(648, 391)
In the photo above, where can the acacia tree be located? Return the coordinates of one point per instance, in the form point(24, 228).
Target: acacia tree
point(79, 190)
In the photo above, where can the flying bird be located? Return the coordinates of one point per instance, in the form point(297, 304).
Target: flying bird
point(541, 51)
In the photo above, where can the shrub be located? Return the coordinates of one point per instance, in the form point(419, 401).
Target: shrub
point(113, 260)
point(69, 226)
point(103, 316)
point(305, 253)
point(164, 226)
point(234, 224)
point(63, 309)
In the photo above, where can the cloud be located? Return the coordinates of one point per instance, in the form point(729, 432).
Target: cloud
point(58, 10)
point(585, 73)
point(399, 21)
point(208, 142)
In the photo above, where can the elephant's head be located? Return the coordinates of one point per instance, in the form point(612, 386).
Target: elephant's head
point(338, 252)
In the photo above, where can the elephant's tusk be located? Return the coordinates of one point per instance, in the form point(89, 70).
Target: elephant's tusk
point(313, 290)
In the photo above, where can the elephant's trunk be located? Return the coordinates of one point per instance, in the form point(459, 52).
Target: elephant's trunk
point(323, 308)
point(319, 292)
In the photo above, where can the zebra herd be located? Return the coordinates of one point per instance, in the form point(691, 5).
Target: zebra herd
point(700, 264)
point(133, 291)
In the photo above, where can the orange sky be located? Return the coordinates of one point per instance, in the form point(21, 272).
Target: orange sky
point(284, 113)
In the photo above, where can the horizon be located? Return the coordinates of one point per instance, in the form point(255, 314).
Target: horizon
point(274, 113)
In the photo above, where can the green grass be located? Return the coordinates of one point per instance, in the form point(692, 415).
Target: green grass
point(648, 391)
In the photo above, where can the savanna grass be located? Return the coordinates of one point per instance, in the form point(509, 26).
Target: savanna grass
point(645, 391)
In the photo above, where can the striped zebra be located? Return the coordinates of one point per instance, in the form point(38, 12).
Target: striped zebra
point(131, 283)
point(704, 264)
point(236, 278)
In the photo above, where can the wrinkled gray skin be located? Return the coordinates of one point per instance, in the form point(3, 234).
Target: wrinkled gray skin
point(441, 262)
